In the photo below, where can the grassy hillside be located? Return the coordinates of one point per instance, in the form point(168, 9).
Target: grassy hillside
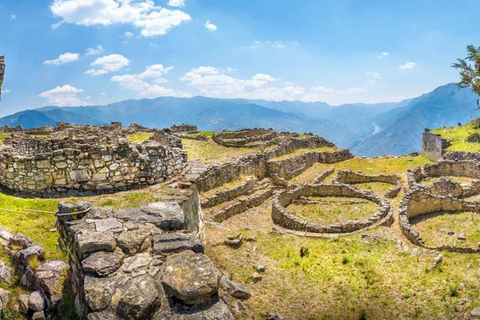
point(458, 137)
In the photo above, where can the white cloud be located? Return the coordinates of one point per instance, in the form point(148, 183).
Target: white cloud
point(153, 20)
point(128, 34)
point(13, 17)
point(374, 75)
point(66, 95)
point(408, 65)
point(213, 82)
point(65, 58)
point(147, 82)
point(268, 43)
point(176, 3)
point(210, 26)
point(6, 91)
point(382, 55)
point(94, 51)
point(106, 64)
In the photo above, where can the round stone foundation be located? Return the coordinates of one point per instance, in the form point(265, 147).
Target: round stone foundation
point(247, 138)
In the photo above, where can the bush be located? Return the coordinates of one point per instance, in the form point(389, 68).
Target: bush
point(474, 138)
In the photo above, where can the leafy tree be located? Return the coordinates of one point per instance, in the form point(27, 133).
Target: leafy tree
point(470, 70)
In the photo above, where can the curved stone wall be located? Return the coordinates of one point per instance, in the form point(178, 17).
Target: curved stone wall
point(418, 203)
point(351, 177)
point(93, 163)
point(282, 217)
point(245, 138)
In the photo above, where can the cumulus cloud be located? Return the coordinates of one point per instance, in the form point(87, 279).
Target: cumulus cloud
point(94, 51)
point(408, 65)
point(147, 83)
point(66, 95)
point(128, 34)
point(65, 58)
point(382, 55)
point(176, 3)
point(213, 82)
point(210, 26)
point(153, 20)
point(106, 64)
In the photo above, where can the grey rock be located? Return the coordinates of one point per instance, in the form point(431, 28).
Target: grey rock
point(26, 255)
point(475, 314)
point(175, 242)
point(137, 262)
point(19, 241)
point(39, 315)
point(131, 241)
point(272, 316)
point(234, 241)
point(4, 296)
point(99, 213)
point(95, 241)
point(99, 291)
point(259, 268)
point(102, 315)
point(109, 224)
point(36, 301)
point(462, 237)
point(101, 264)
point(256, 277)
point(234, 289)
point(140, 299)
point(5, 273)
point(5, 237)
point(214, 309)
point(191, 277)
point(23, 303)
point(169, 215)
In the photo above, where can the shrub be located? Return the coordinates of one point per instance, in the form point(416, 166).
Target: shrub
point(474, 138)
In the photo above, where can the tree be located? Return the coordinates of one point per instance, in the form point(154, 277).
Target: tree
point(470, 70)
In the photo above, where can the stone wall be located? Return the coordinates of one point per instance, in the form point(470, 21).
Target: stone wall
point(466, 168)
point(2, 73)
point(418, 203)
point(245, 138)
point(461, 155)
point(230, 194)
point(433, 145)
point(282, 217)
point(290, 167)
point(69, 161)
point(183, 128)
point(139, 264)
point(351, 177)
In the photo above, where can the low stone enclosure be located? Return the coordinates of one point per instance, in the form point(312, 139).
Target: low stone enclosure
point(144, 263)
point(88, 159)
point(443, 169)
point(350, 177)
point(283, 218)
point(247, 138)
point(419, 203)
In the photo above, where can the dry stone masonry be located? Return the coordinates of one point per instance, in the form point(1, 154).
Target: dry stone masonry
point(140, 263)
point(88, 159)
point(351, 177)
point(2, 73)
point(247, 138)
point(433, 145)
point(282, 217)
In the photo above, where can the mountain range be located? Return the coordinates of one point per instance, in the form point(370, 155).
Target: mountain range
point(367, 129)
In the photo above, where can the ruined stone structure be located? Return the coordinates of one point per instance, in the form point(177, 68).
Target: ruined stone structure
point(144, 263)
point(433, 145)
point(184, 128)
point(443, 187)
point(282, 217)
point(351, 177)
point(88, 159)
point(419, 203)
point(247, 138)
point(2, 73)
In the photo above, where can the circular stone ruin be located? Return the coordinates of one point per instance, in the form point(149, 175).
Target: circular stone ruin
point(419, 205)
point(350, 177)
point(440, 178)
point(88, 159)
point(286, 219)
point(246, 138)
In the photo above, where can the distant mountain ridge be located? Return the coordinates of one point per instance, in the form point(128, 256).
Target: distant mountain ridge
point(367, 129)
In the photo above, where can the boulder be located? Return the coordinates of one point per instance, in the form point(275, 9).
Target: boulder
point(5, 273)
point(99, 291)
point(214, 309)
point(27, 255)
point(36, 301)
point(102, 315)
point(167, 215)
point(23, 303)
point(101, 264)
point(475, 314)
point(49, 279)
point(4, 295)
point(109, 224)
point(190, 277)
point(137, 262)
point(19, 241)
point(175, 242)
point(39, 315)
point(140, 299)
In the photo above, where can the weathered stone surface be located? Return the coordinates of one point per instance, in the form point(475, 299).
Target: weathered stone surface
point(110, 224)
point(101, 264)
point(168, 215)
point(99, 291)
point(95, 241)
point(48, 279)
point(23, 303)
point(137, 262)
point(475, 314)
point(33, 252)
point(140, 299)
point(19, 241)
point(272, 316)
point(36, 301)
point(39, 315)
point(191, 277)
point(131, 241)
point(4, 296)
point(234, 289)
point(5, 273)
point(103, 315)
point(214, 309)
point(175, 242)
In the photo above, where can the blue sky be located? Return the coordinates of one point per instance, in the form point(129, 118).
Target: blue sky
point(80, 52)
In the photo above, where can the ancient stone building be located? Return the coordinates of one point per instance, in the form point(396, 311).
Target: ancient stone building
point(2, 73)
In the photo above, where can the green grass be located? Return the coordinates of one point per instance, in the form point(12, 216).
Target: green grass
point(458, 137)
point(304, 150)
point(377, 187)
point(139, 137)
point(205, 133)
point(211, 152)
point(334, 210)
